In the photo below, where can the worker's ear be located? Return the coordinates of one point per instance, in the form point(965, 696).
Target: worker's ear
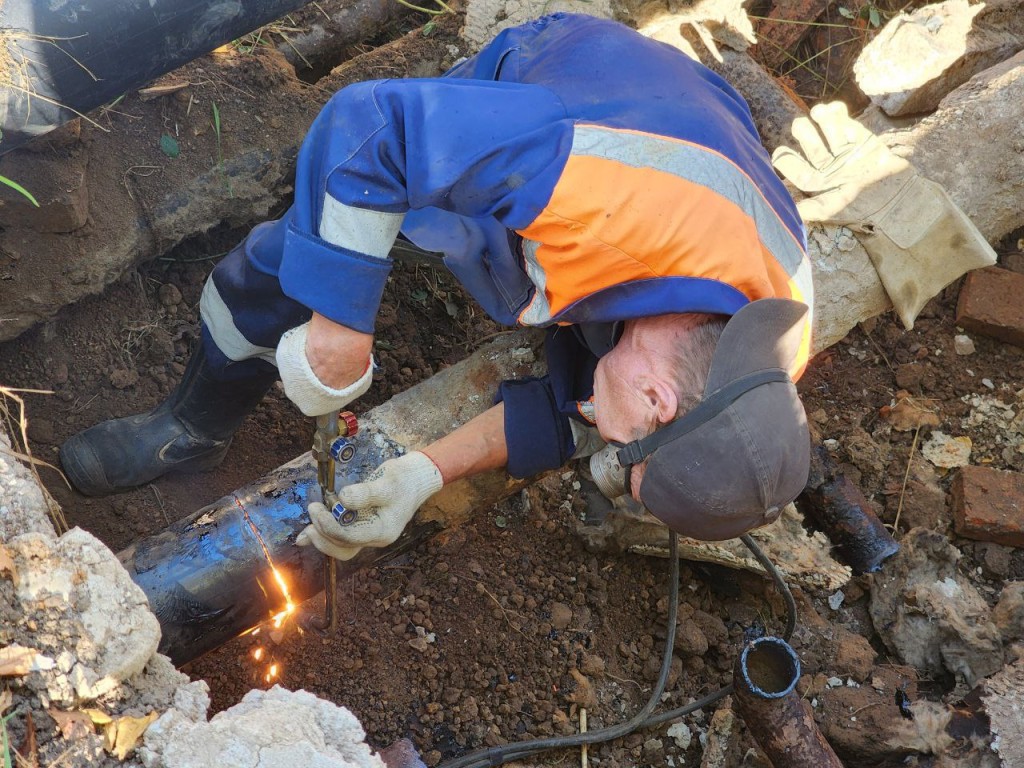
point(659, 396)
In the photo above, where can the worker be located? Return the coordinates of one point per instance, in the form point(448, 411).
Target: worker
point(576, 176)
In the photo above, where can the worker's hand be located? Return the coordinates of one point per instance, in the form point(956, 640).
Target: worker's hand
point(917, 238)
point(301, 383)
point(322, 534)
point(384, 504)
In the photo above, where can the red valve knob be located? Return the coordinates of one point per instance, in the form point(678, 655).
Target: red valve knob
point(348, 426)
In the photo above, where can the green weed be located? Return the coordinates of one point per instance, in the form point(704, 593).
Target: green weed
point(5, 742)
point(18, 188)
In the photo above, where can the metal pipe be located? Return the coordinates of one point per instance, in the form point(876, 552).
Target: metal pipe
point(208, 577)
point(764, 682)
point(61, 59)
point(840, 508)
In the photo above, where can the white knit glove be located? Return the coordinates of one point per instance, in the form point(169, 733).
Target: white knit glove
point(301, 385)
point(384, 504)
point(918, 240)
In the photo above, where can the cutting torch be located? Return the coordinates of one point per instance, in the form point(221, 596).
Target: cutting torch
point(332, 445)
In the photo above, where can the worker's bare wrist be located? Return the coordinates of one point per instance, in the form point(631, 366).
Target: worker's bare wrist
point(337, 354)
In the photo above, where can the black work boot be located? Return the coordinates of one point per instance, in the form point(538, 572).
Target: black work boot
point(189, 432)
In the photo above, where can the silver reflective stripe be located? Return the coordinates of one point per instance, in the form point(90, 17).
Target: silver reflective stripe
point(358, 229)
point(539, 311)
point(700, 166)
point(804, 283)
point(225, 333)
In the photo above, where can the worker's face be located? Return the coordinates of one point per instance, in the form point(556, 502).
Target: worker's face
point(622, 412)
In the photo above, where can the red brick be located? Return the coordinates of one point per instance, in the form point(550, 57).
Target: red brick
point(988, 505)
point(990, 304)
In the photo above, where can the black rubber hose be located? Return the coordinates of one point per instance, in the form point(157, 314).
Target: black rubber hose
point(721, 693)
point(494, 756)
point(498, 755)
point(59, 60)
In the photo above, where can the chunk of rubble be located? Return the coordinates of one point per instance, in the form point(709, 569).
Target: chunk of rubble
point(929, 615)
point(1003, 697)
point(276, 728)
point(22, 505)
point(947, 452)
point(76, 603)
point(920, 56)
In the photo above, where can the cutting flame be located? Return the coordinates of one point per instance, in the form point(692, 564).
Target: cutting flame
point(277, 619)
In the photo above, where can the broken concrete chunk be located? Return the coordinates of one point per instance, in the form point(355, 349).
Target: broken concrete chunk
point(22, 505)
point(921, 56)
point(81, 602)
point(947, 452)
point(929, 615)
point(266, 729)
point(988, 505)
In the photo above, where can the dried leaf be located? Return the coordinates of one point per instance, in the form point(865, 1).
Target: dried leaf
point(6, 699)
point(98, 716)
point(146, 94)
point(29, 749)
point(72, 725)
point(7, 564)
point(18, 660)
point(907, 414)
point(121, 736)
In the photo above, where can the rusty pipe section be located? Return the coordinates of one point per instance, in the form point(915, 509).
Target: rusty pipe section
point(840, 509)
point(208, 577)
point(764, 682)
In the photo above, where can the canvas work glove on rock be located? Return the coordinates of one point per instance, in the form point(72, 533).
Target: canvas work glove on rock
point(918, 240)
point(384, 504)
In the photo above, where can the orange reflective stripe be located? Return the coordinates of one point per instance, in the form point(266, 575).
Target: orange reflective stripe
point(608, 223)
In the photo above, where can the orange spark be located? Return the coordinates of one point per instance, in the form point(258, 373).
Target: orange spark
point(257, 653)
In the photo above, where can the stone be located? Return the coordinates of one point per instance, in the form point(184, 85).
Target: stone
point(947, 452)
point(988, 505)
point(854, 656)
point(923, 504)
point(929, 615)
point(1008, 615)
point(23, 508)
point(963, 345)
point(990, 305)
point(276, 728)
point(920, 56)
point(169, 295)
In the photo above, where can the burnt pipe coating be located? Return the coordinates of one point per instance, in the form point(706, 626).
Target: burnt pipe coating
point(764, 681)
point(65, 58)
point(841, 510)
point(208, 578)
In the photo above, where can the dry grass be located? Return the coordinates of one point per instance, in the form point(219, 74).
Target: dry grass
point(15, 423)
